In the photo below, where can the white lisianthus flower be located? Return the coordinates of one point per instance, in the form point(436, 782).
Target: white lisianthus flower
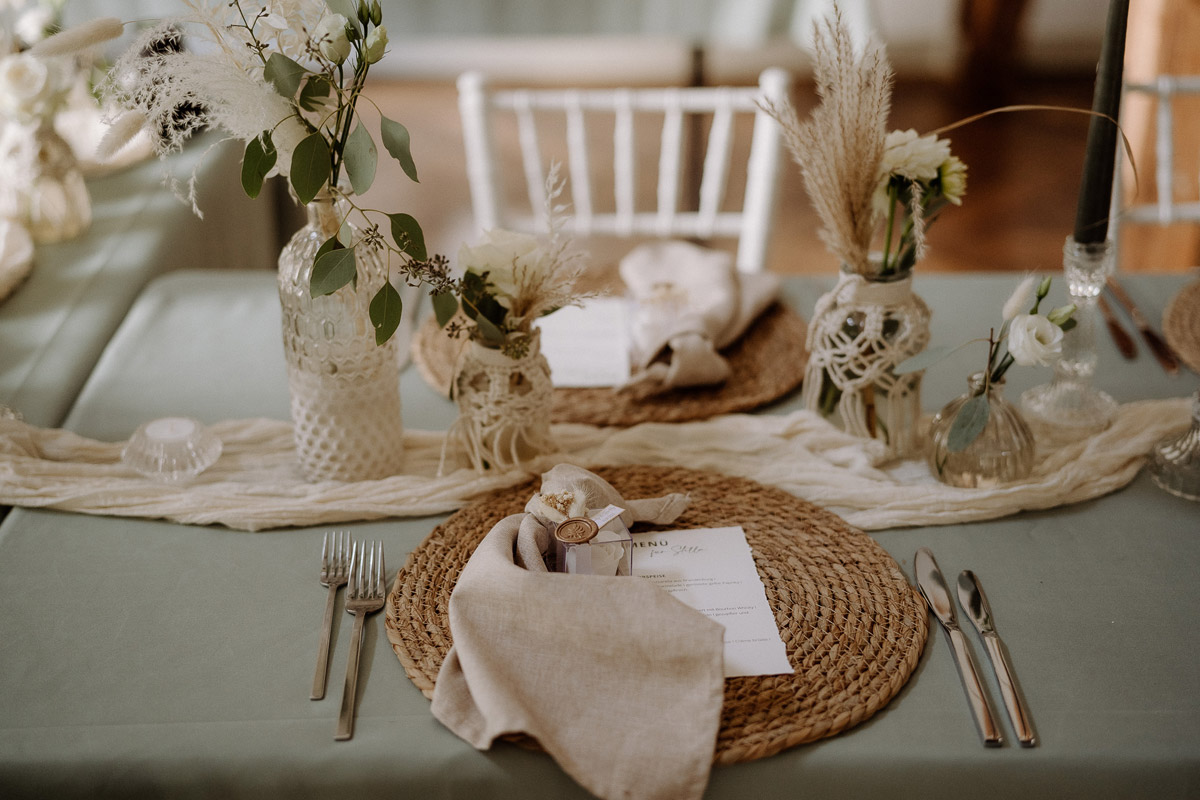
point(1034, 339)
point(510, 261)
point(32, 26)
point(1020, 298)
point(29, 87)
point(376, 44)
point(913, 156)
point(331, 38)
point(954, 180)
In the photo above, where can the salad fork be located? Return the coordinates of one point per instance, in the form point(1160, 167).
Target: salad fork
point(364, 595)
point(335, 571)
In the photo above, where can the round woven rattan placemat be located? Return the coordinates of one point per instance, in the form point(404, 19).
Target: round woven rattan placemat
point(1181, 324)
point(767, 363)
point(853, 627)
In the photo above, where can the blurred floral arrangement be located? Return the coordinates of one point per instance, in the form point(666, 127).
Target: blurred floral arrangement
point(286, 78)
point(509, 280)
point(873, 190)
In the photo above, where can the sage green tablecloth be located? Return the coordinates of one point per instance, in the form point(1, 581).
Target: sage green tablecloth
point(54, 325)
point(150, 659)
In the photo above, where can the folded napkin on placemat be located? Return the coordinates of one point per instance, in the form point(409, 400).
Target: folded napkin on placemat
point(690, 303)
point(256, 483)
point(619, 682)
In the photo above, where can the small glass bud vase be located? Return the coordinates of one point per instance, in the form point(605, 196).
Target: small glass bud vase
point(46, 193)
point(503, 405)
point(345, 389)
point(1002, 453)
point(1175, 461)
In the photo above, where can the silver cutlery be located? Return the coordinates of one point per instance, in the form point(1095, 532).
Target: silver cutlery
point(1162, 351)
point(364, 595)
point(975, 603)
point(335, 571)
point(933, 588)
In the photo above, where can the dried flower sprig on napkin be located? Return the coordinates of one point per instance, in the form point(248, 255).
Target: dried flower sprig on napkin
point(864, 182)
point(286, 79)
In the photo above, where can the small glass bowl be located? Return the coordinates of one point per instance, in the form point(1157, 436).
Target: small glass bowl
point(171, 449)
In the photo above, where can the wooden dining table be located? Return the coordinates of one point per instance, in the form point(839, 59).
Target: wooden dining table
point(140, 657)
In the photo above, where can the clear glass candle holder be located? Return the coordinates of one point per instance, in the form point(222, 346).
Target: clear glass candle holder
point(1175, 461)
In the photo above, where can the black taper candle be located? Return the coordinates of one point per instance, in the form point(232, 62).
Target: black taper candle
point(1095, 190)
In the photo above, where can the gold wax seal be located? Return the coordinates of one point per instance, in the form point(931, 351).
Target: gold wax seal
point(576, 530)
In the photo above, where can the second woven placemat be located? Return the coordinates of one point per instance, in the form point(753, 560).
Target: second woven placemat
point(767, 363)
point(1181, 325)
point(853, 626)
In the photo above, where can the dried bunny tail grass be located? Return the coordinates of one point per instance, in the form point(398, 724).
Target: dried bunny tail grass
point(80, 37)
point(120, 133)
point(839, 147)
point(916, 214)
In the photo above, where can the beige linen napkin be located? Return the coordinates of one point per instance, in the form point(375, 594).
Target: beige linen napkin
point(691, 302)
point(619, 682)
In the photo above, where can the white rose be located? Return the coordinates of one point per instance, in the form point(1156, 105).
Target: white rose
point(1020, 298)
point(330, 36)
point(27, 86)
point(510, 260)
point(32, 25)
point(1033, 339)
point(913, 156)
point(376, 44)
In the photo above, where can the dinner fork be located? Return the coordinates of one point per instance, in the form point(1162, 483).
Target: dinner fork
point(364, 595)
point(335, 571)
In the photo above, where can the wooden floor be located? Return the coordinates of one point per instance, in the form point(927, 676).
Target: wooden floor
point(1024, 171)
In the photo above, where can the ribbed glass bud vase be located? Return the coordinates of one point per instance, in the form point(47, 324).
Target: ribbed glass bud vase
point(1002, 453)
point(345, 389)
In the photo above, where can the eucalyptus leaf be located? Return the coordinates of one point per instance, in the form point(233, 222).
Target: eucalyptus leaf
point(284, 74)
point(408, 236)
point(332, 271)
point(386, 309)
point(315, 90)
point(396, 140)
point(1068, 324)
point(921, 360)
point(329, 244)
point(445, 304)
point(310, 167)
point(968, 424)
point(490, 331)
point(361, 158)
point(258, 160)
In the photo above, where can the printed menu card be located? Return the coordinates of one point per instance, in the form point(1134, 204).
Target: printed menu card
point(712, 570)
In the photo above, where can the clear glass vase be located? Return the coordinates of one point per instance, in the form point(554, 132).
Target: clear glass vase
point(43, 188)
point(1003, 452)
point(345, 389)
point(859, 332)
point(503, 405)
point(1175, 461)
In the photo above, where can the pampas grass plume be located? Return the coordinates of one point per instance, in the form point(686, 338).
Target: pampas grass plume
point(80, 37)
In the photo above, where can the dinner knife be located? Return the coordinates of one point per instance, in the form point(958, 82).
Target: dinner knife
point(1120, 336)
point(1161, 350)
point(975, 603)
point(933, 588)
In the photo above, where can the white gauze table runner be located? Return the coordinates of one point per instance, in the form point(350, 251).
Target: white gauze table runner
point(256, 485)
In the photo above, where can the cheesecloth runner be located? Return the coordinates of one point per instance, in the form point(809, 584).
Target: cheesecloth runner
point(533, 650)
point(256, 484)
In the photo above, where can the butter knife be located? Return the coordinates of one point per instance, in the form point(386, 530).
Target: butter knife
point(1120, 336)
point(975, 603)
point(1161, 350)
point(933, 588)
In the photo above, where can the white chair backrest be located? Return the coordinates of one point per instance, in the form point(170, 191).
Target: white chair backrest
point(590, 214)
point(1166, 208)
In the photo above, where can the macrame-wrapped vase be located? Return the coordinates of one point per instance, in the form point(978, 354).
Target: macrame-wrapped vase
point(503, 405)
point(345, 389)
point(858, 334)
point(1002, 453)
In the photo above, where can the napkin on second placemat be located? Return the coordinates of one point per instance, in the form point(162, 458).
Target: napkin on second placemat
point(690, 302)
point(619, 682)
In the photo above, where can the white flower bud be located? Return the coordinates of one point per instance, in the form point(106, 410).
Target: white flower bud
point(331, 38)
point(376, 44)
point(1033, 339)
